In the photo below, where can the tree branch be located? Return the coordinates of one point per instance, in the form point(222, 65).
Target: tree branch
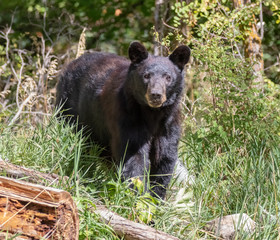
point(130, 230)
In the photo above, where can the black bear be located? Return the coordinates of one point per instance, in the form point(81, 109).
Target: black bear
point(131, 107)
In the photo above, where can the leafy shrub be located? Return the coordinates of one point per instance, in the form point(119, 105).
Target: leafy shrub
point(235, 110)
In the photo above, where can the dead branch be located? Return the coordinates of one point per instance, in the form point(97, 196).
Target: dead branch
point(29, 175)
point(130, 230)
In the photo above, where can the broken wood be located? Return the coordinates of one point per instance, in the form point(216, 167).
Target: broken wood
point(35, 212)
point(14, 171)
point(130, 230)
point(38, 212)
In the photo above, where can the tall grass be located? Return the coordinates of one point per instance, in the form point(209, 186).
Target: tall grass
point(236, 181)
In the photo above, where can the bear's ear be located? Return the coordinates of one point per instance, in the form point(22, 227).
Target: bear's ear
point(180, 56)
point(137, 52)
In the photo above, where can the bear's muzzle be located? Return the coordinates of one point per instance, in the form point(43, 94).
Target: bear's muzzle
point(155, 95)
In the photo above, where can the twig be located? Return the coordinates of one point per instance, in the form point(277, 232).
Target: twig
point(21, 107)
point(18, 77)
point(20, 74)
point(235, 44)
point(44, 28)
point(214, 35)
point(39, 113)
point(165, 24)
point(275, 64)
point(221, 7)
point(6, 38)
point(237, 48)
point(261, 20)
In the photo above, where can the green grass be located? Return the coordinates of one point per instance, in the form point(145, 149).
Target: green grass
point(241, 180)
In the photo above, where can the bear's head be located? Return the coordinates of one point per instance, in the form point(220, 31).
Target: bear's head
point(156, 81)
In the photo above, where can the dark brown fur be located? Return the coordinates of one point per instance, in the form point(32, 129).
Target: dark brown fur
point(130, 107)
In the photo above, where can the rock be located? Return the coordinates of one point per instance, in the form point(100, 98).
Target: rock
point(226, 227)
point(182, 175)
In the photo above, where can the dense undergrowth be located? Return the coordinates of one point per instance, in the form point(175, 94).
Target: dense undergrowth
point(230, 143)
point(231, 147)
point(234, 177)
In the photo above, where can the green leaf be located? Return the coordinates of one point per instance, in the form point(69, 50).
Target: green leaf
point(146, 207)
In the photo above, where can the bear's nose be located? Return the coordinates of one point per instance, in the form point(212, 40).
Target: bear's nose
point(156, 96)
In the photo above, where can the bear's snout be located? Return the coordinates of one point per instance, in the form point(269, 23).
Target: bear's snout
point(155, 95)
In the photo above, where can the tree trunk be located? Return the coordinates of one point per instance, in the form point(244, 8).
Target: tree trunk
point(160, 14)
point(32, 211)
point(253, 46)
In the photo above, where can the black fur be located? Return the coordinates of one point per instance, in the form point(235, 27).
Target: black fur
point(130, 107)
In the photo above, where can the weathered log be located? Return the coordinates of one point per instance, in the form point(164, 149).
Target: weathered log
point(130, 230)
point(32, 209)
point(29, 175)
point(36, 212)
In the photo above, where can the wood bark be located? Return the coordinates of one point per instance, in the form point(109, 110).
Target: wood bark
point(253, 46)
point(34, 212)
point(130, 230)
point(160, 15)
point(30, 175)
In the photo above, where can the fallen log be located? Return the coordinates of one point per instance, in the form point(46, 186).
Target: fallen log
point(16, 172)
point(34, 212)
point(130, 230)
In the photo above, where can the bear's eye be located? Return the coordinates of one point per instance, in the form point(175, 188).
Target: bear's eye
point(168, 79)
point(147, 75)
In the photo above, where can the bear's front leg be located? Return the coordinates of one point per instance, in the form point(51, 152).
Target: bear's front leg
point(132, 148)
point(163, 158)
point(136, 161)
